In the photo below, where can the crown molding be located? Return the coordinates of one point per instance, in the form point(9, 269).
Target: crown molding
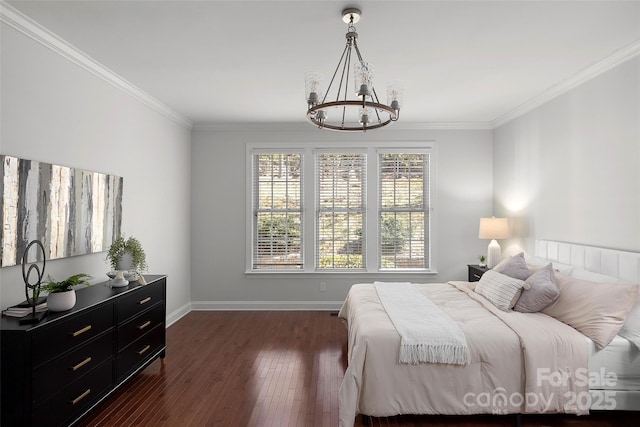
point(37, 32)
point(618, 57)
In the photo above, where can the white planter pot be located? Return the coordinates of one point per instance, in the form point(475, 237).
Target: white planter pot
point(125, 262)
point(61, 301)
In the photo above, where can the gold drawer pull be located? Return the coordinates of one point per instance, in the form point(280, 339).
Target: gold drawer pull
point(144, 325)
point(79, 398)
point(81, 331)
point(81, 364)
point(144, 301)
point(476, 276)
point(144, 350)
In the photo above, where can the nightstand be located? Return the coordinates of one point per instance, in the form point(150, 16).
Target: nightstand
point(476, 272)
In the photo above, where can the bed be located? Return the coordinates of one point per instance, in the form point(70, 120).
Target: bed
point(519, 362)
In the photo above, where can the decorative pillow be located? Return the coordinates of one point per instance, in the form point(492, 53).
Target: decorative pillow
point(535, 262)
point(582, 274)
point(598, 310)
point(501, 290)
point(515, 267)
point(544, 290)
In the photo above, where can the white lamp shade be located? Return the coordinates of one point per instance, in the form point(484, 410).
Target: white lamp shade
point(493, 228)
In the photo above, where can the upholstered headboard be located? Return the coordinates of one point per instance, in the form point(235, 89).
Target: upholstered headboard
point(621, 264)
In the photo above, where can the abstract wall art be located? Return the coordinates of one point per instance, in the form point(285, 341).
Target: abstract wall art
point(72, 211)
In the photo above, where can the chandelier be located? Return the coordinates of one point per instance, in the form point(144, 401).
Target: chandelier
point(331, 109)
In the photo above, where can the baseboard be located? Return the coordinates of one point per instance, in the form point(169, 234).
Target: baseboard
point(178, 314)
point(266, 305)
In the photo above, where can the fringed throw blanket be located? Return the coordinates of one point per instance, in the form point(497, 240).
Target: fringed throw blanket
point(427, 334)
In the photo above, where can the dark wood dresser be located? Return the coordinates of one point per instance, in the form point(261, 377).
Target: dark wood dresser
point(54, 372)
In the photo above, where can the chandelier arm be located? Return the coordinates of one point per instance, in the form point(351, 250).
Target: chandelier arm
point(378, 101)
point(355, 44)
point(347, 59)
point(346, 71)
point(375, 95)
point(334, 76)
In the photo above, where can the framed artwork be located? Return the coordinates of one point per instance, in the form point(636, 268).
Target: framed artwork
point(71, 211)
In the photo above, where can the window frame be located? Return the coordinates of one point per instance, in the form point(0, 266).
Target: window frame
point(317, 209)
point(372, 213)
point(256, 210)
point(426, 197)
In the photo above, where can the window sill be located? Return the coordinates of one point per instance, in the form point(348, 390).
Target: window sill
point(342, 273)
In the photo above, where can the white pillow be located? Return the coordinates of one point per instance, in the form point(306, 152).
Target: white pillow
point(582, 274)
point(501, 290)
point(598, 310)
point(536, 261)
point(631, 328)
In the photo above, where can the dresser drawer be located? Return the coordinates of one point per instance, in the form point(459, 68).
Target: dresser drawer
point(75, 398)
point(139, 300)
point(144, 348)
point(49, 377)
point(140, 325)
point(69, 333)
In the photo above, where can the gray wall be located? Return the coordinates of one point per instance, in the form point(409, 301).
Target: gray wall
point(57, 112)
point(463, 195)
point(570, 169)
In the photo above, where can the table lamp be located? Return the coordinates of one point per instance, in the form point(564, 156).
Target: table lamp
point(493, 228)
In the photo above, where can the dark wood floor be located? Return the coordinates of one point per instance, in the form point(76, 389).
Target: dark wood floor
point(266, 368)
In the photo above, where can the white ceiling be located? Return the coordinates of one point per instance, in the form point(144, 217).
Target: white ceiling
point(244, 61)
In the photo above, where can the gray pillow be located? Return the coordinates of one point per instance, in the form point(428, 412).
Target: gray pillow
point(542, 292)
point(515, 267)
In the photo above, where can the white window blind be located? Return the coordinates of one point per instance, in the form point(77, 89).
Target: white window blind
point(341, 204)
point(277, 210)
point(404, 211)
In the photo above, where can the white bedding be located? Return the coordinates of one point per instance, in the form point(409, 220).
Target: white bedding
point(506, 351)
point(621, 358)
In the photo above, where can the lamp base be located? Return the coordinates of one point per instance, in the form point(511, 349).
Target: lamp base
point(494, 254)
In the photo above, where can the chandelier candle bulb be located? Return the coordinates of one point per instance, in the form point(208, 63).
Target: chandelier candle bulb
point(395, 91)
point(321, 116)
point(313, 85)
point(363, 78)
point(364, 116)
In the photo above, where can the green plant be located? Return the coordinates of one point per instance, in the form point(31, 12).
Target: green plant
point(481, 258)
point(120, 246)
point(394, 233)
point(67, 284)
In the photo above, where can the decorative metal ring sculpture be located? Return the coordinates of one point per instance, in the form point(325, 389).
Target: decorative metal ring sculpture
point(35, 287)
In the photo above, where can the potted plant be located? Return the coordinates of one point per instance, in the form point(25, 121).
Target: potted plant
point(127, 255)
point(482, 261)
point(62, 296)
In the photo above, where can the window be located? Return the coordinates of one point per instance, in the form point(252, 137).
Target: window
point(340, 208)
point(277, 202)
point(404, 209)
